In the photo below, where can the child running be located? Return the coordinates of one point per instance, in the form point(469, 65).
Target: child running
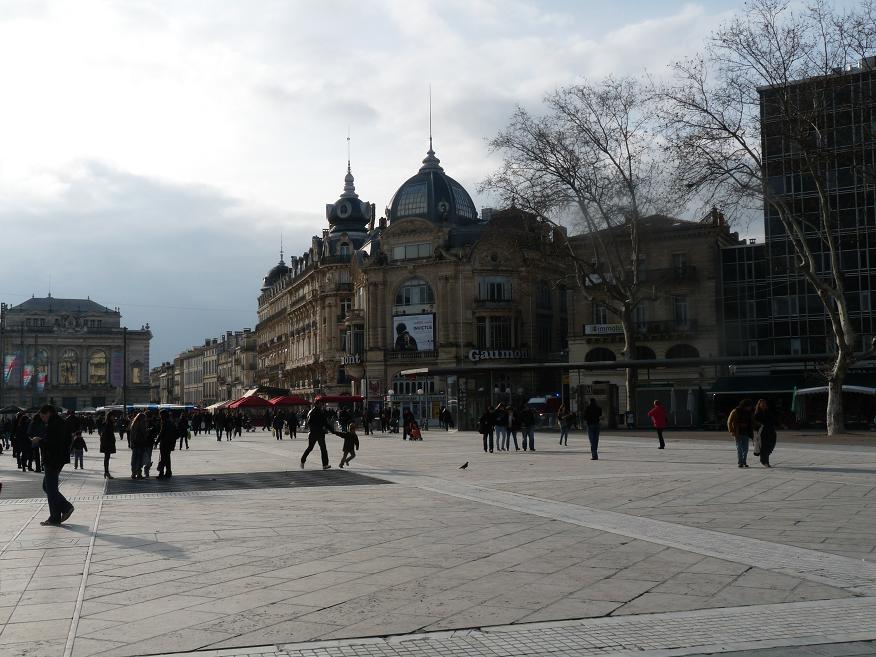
point(351, 444)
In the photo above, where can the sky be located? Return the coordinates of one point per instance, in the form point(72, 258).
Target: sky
point(152, 153)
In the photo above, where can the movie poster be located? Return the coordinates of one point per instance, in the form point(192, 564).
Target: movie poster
point(28, 375)
point(42, 378)
point(414, 332)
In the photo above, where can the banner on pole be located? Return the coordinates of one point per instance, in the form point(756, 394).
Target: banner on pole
point(117, 369)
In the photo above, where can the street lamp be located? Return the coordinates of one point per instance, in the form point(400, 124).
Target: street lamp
point(420, 392)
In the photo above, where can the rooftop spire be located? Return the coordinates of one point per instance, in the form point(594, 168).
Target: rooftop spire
point(430, 162)
point(281, 248)
point(349, 187)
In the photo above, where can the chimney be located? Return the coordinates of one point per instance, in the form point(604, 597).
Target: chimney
point(382, 223)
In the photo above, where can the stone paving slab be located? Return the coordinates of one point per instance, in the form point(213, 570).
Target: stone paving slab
point(629, 537)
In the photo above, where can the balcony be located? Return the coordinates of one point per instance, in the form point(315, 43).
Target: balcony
point(665, 276)
point(411, 355)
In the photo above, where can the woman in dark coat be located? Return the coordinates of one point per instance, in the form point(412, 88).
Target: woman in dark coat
point(485, 428)
point(22, 442)
point(767, 421)
point(166, 441)
point(107, 445)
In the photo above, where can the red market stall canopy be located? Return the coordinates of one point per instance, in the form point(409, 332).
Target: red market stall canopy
point(289, 400)
point(339, 399)
point(250, 402)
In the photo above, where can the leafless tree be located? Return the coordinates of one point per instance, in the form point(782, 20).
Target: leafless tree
point(595, 152)
point(753, 121)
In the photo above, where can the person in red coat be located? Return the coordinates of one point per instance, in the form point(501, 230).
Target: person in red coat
point(659, 419)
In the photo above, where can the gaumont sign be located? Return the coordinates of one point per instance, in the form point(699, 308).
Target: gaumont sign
point(603, 329)
point(476, 355)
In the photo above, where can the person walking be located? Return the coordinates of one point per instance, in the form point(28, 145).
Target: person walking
point(139, 433)
point(592, 416)
point(514, 426)
point(182, 429)
point(277, 424)
point(166, 442)
point(77, 443)
point(22, 443)
point(767, 421)
point(565, 419)
point(317, 425)
point(107, 445)
point(55, 444)
point(740, 424)
point(292, 423)
point(219, 424)
point(485, 428)
point(660, 420)
point(527, 427)
point(500, 424)
point(36, 429)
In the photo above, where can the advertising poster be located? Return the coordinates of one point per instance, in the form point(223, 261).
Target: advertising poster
point(28, 375)
point(10, 370)
point(117, 369)
point(42, 378)
point(414, 332)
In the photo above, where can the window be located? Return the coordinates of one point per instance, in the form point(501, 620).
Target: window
point(785, 305)
point(97, 368)
point(682, 351)
point(494, 333)
point(542, 296)
point(68, 368)
point(412, 200)
point(600, 313)
point(544, 333)
point(412, 251)
point(600, 355)
point(416, 292)
point(344, 250)
point(346, 306)
point(640, 315)
point(402, 386)
point(680, 311)
point(679, 262)
point(494, 288)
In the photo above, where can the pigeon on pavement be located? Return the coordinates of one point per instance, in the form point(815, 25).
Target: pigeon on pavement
point(463, 466)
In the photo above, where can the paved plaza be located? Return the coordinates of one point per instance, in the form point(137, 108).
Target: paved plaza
point(646, 551)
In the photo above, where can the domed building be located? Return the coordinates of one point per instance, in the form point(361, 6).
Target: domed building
point(430, 286)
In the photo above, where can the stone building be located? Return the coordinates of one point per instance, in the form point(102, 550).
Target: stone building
point(72, 352)
point(680, 269)
point(430, 286)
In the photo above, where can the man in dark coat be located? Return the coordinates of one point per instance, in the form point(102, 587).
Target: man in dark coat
point(166, 441)
point(317, 425)
point(55, 447)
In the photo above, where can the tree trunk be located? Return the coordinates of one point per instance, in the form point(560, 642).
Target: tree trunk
point(632, 373)
point(835, 416)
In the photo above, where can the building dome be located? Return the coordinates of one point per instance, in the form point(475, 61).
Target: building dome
point(432, 195)
point(348, 214)
point(277, 272)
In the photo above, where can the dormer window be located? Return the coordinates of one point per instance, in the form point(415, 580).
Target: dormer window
point(344, 250)
point(411, 251)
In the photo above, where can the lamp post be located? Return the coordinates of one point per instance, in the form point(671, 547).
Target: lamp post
point(420, 392)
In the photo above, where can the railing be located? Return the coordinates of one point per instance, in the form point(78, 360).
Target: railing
point(411, 355)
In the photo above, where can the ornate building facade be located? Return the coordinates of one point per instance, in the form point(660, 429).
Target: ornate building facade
point(430, 286)
point(71, 352)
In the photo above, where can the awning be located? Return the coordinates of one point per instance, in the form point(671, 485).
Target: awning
point(217, 406)
point(755, 385)
point(339, 398)
point(249, 402)
point(289, 400)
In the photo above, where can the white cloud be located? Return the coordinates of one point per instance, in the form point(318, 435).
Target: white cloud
point(238, 112)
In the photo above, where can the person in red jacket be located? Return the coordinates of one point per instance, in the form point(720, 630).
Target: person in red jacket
point(659, 419)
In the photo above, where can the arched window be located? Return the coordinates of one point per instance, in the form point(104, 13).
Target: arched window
point(599, 354)
point(682, 351)
point(97, 368)
point(68, 368)
point(645, 353)
point(415, 292)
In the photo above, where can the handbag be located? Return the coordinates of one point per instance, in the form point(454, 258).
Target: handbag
point(756, 440)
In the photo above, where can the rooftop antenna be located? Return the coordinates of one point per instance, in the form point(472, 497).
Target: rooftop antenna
point(281, 246)
point(430, 116)
point(348, 149)
point(50, 285)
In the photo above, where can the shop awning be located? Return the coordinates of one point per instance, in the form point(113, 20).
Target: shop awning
point(755, 385)
point(330, 399)
point(822, 390)
point(217, 406)
point(250, 402)
point(289, 400)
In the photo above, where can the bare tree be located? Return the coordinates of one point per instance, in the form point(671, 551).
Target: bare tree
point(753, 122)
point(595, 153)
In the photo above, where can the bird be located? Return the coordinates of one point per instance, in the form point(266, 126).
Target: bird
point(463, 466)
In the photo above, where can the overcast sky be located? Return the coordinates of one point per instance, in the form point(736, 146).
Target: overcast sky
point(151, 153)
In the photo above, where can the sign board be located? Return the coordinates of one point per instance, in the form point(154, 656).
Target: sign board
point(414, 332)
point(603, 329)
point(476, 355)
